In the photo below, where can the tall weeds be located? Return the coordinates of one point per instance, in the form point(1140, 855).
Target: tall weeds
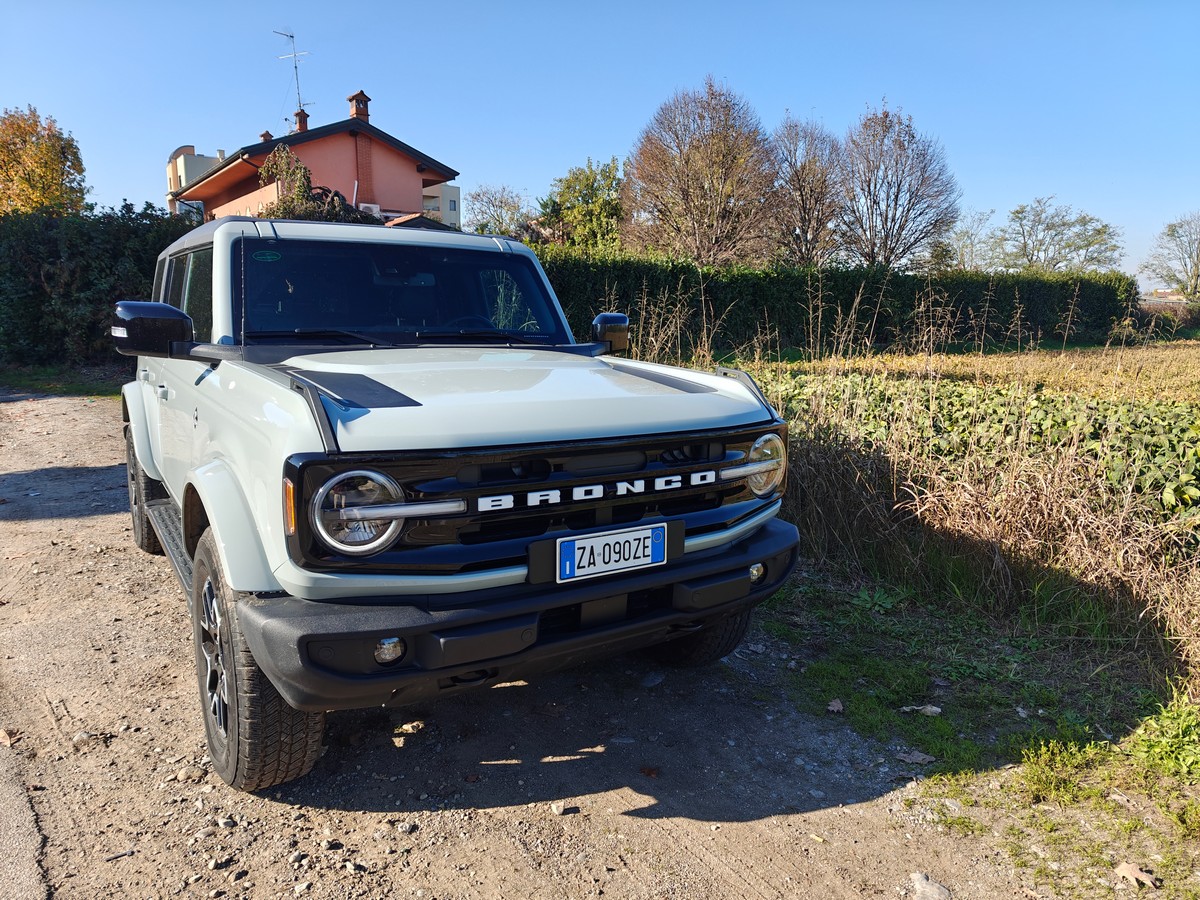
point(963, 477)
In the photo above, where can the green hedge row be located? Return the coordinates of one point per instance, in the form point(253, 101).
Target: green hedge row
point(60, 275)
point(813, 309)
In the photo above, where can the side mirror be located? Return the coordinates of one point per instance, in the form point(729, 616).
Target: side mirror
point(141, 328)
point(611, 329)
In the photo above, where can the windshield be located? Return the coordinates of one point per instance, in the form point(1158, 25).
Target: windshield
point(311, 291)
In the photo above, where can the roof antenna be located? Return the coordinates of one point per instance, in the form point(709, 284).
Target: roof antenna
point(295, 58)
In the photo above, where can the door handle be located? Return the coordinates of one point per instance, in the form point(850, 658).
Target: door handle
point(163, 392)
point(144, 374)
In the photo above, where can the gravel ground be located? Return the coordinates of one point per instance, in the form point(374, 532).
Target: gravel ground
point(620, 779)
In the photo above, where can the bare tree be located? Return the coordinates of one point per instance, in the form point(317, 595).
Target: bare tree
point(1050, 238)
point(898, 195)
point(971, 242)
point(1175, 258)
point(700, 180)
point(497, 209)
point(807, 199)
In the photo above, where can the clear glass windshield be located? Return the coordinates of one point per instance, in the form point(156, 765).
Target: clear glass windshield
point(388, 293)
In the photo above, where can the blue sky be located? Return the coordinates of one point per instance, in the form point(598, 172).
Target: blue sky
point(1093, 102)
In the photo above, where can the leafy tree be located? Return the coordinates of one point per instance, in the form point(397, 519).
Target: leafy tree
point(1043, 237)
point(584, 207)
point(700, 180)
point(298, 199)
point(497, 209)
point(1175, 258)
point(40, 166)
point(898, 195)
point(808, 197)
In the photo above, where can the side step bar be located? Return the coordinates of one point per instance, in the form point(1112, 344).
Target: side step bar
point(164, 515)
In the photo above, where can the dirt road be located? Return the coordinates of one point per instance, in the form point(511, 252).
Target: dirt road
point(622, 779)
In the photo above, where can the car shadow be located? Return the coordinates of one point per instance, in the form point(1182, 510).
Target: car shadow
point(719, 744)
point(63, 492)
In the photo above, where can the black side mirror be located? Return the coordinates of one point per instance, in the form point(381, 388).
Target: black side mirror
point(611, 329)
point(142, 328)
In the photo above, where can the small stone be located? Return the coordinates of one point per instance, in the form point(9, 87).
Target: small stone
point(925, 888)
point(302, 887)
point(328, 844)
point(558, 808)
point(296, 857)
point(227, 823)
point(817, 795)
point(189, 773)
point(192, 879)
point(82, 739)
point(206, 832)
point(406, 827)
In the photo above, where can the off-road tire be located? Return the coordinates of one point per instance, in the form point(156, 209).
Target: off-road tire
point(255, 740)
point(704, 647)
point(141, 488)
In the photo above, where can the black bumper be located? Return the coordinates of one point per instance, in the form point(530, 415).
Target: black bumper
point(319, 655)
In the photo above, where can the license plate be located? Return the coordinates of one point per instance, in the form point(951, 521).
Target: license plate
point(613, 551)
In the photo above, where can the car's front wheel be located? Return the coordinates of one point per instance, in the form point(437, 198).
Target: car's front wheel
point(255, 739)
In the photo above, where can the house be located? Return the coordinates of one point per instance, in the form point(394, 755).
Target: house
point(372, 169)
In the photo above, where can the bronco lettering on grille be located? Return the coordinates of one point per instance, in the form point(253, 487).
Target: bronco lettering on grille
point(594, 491)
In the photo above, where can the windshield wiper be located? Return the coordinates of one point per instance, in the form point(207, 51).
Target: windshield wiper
point(323, 332)
point(489, 333)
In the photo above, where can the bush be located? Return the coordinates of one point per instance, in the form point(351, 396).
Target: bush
point(821, 311)
point(61, 274)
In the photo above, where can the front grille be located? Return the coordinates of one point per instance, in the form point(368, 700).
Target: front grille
point(521, 495)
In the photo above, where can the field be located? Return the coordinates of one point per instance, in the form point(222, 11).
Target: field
point(1014, 541)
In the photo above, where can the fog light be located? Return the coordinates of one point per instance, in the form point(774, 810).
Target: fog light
point(757, 572)
point(390, 650)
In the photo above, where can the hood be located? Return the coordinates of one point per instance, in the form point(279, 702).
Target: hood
point(443, 397)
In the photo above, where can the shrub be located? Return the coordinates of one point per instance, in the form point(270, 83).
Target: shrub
point(61, 274)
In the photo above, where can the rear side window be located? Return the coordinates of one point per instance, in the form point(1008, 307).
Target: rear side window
point(176, 280)
point(198, 297)
point(160, 274)
point(189, 287)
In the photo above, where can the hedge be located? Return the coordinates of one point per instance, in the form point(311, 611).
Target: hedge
point(60, 275)
point(812, 309)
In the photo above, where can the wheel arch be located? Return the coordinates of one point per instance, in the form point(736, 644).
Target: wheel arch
point(214, 499)
point(133, 413)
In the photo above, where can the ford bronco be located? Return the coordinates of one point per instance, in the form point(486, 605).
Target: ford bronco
point(383, 471)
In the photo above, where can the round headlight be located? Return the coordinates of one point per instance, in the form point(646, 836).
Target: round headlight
point(341, 512)
point(767, 449)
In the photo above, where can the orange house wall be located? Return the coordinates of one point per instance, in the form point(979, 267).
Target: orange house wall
point(333, 162)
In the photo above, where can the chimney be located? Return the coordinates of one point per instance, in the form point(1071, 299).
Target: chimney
point(301, 120)
point(358, 106)
point(265, 136)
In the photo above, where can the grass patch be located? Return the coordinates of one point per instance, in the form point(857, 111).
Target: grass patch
point(66, 381)
point(1066, 752)
point(1000, 689)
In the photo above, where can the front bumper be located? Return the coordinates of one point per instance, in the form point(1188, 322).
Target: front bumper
point(319, 655)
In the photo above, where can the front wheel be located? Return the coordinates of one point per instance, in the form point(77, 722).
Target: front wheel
point(711, 643)
point(255, 739)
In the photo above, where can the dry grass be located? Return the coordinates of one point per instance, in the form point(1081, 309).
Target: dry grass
point(1009, 526)
point(1138, 372)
